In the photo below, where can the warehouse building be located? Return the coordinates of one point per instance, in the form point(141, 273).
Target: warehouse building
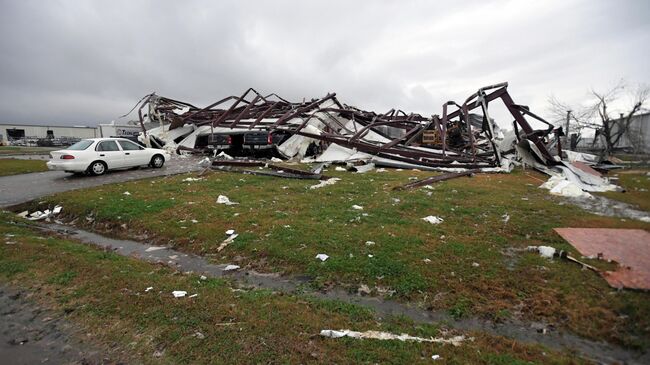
point(35, 135)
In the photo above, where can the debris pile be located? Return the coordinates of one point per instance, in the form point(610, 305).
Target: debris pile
point(463, 139)
point(326, 130)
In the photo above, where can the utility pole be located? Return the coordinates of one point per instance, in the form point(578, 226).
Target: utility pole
point(566, 131)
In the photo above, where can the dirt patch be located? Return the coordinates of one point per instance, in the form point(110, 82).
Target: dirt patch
point(32, 335)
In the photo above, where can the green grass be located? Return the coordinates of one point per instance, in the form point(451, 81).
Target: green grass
point(283, 225)
point(637, 188)
point(14, 150)
point(103, 294)
point(9, 166)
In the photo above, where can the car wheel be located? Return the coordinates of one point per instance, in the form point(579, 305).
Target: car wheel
point(157, 161)
point(97, 168)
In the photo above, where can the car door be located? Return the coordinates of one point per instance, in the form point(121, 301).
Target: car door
point(109, 152)
point(134, 155)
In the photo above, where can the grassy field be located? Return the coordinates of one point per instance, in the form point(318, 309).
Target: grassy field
point(104, 294)
point(19, 150)
point(9, 166)
point(637, 185)
point(473, 263)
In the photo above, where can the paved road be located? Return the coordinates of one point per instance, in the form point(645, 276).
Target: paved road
point(18, 189)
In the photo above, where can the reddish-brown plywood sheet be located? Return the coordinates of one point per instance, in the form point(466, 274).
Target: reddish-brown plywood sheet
point(586, 168)
point(629, 247)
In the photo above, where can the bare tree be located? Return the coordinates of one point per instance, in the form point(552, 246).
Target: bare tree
point(597, 116)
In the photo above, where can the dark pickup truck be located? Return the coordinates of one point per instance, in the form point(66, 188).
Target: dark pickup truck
point(241, 142)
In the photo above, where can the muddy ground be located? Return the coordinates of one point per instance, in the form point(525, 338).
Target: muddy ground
point(31, 335)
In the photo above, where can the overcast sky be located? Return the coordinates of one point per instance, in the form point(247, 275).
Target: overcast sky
point(86, 62)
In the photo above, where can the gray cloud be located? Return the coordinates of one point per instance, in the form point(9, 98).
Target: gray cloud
point(66, 62)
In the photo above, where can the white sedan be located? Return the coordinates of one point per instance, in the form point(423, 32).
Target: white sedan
point(98, 155)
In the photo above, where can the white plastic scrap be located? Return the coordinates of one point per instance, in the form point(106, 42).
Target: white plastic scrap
point(205, 162)
point(231, 267)
point(38, 215)
point(324, 183)
point(179, 293)
point(377, 335)
point(558, 185)
point(230, 231)
point(126, 193)
point(322, 257)
point(148, 289)
point(357, 207)
point(505, 218)
point(435, 357)
point(224, 156)
point(275, 159)
point(339, 168)
point(433, 219)
point(190, 179)
point(364, 168)
point(544, 251)
point(222, 199)
point(154, 248)
point(226, 242)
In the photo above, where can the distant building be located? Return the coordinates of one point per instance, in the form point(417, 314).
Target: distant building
point(635, 140)
point(30, 134)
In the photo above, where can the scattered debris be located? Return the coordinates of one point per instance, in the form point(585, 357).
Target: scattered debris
point(230, 232)
point(227, 241)
point(357, 207)
point(505, 218)
point(435, 357)
point(40, 215)
point(148, 289)
point(154, 248)
point(324, 183)
point(433, 219)
point(231, 267)
point(322, 257)
point(434, 179)
point(179, 293)
point(544, 251)
point(377, 335)
point(222, 199)
point(126, 193)
point(224, 156)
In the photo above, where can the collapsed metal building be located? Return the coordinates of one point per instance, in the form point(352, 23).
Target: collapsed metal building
point(327, 130)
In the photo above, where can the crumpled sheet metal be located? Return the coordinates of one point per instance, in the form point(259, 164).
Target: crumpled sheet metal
point(460, 139)
point(630, 248)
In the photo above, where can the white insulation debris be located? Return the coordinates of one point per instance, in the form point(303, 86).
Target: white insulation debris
point(324, 183)
point(377, 335)
point(433, 219)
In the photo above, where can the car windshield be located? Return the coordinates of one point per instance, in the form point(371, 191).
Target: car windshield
point(81, 145)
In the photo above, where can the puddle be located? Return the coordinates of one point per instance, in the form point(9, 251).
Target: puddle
point(526, 332)
point(600, 205)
